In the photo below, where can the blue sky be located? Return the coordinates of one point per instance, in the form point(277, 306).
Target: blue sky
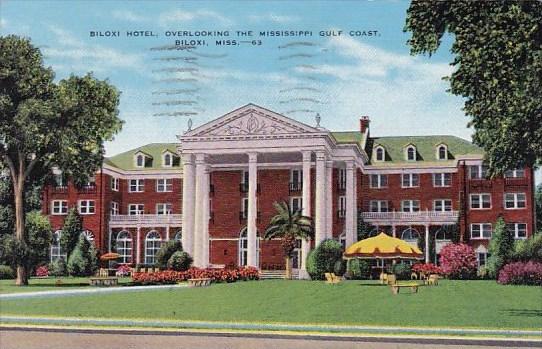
point(340, 77)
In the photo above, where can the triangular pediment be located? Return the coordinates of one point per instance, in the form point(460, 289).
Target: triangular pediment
point(251, 120)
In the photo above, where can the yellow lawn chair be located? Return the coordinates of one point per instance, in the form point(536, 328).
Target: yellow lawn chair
point(332, 279)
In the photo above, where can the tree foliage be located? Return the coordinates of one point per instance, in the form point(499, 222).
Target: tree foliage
point(166, 251)
point(538, 203)
point(81, 262)
point(497, 51)
point(501, 248)
point(72, 229)
point(322, 259)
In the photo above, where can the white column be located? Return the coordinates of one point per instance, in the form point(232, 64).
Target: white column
point(426, 243)
point(198, 210)
point(110, 231)
point(329, 199)
point(188, 209)
point(252, 210)
point(320, 200)
point(205, 216)
point(355, 213)
point(350, 203)
point(394, 230)
point(167, 232)
point(306, 244)
point(138, 247)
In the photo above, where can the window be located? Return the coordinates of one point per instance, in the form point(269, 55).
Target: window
point(153, 241)
point(410, 234)
point(91, 181)
point(140, 160)
point(115, 183)
point(296, 177)
point(59, 180)
point(244, 208)
point(410, 205)
point(515, 173)
point(59, 207)
point(137, 185)
point(379, 181)
point(124, 247)
point(163, 208)
point(442, 179)
point(481, 258)
point(296, 203)
point(480, 201)
point(135, 209)
point(380, 154)
point(342, 178)
point(164, 185)
point(442, 205)
point(410, 180)
point(114, 208)
point(56, 248)
point(477, 172)
point(87, 207)
point(442, 152)
point(518, 229)
point(514, 200)
point(411, 153)
point(480, 231)
point(342, 206)
point(178, 236)
point(167, 160)
point(378, 206)
point(88, 235)
point(243, 248)
point(244, 180)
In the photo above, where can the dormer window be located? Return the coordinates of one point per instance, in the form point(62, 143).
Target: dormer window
point(140, 160)
point(442, 152)
point(411, 153)
point(380, 154)
point(167, 160)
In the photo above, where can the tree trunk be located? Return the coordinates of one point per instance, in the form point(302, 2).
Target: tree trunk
point(288, 275)
point(18, 191)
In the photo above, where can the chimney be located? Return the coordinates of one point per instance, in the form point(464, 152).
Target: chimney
point(364, 123)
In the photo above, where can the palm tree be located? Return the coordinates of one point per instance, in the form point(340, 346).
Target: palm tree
point(289, 226)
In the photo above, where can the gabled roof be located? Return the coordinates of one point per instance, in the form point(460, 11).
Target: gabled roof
point(425, 147)
point(349, 137)
point(125, 161)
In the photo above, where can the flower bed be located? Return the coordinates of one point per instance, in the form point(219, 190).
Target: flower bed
point(426, 268)
point(521, 273)
point(42, 271)
point(216, 275)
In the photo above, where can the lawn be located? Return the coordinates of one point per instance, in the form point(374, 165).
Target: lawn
point(451, 304)
point(46, 284)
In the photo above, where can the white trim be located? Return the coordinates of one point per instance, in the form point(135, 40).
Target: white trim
point(164, 184)
point(516, 200)
point(376, 159)
point(138, 210)
point(139, 185)
point(411, 181)
point(481, 201)
point(481, 236)
point(442, 181)
point(88, 207)
point(171, 155)
point(516, 230)
point(437, 149)
point(115, 183)
point(63, 209)
point(407, 148)
point(443, 206)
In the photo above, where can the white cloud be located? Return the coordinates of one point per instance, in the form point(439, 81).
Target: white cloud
point(3, 23)
point(272, 17)
point(128, 16)
point(182, 16)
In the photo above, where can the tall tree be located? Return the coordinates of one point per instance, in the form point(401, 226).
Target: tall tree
point(498, 70)
point(501, 248)
point(71, 231)
point(45, 124)
point(288, 226)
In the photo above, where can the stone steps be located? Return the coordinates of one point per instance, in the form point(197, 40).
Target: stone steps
point(276, 274)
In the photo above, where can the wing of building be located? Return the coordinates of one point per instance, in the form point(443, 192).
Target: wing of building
point(215, 190)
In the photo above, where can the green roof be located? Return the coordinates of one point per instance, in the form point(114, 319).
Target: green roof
point(426, 147)
point(125, 161)
point(349, 137)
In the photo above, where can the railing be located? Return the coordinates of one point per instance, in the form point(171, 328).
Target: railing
point(145, 219)
point(405, 217)
point(516, 182)
point(60, 189)
point(480, 184)
point(295, 186)
point(87, 189)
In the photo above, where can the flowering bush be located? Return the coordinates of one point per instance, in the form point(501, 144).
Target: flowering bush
point(216, 275)
point(521, 273)
point(42, 271)
point(458, 261)
point(123, 270)
point(426, 268)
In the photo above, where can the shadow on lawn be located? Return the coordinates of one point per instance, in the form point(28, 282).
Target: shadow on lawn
point(523, 312)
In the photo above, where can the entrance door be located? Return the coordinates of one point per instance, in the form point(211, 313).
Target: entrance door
point(296, 260)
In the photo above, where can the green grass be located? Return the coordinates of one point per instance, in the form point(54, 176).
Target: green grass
point(46, 284)
point(451, 304)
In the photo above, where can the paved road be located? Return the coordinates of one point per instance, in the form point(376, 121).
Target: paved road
point(34, 339)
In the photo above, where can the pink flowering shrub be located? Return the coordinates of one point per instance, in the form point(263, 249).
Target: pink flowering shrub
point(521, 273)
point(123, 270)
point(427, 268)
point(458, 261)
point(216, 275)
point(42, 271)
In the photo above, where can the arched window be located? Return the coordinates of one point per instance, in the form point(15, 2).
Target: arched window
point(168, 160)
point(442, 152)
point(411, 153)
point(411, 236)
point(243, 248)
point(153, 241)
point(88, 235)
point(140, 160)
point(178, 236)
point(443, 234)
point(342, 240)
point(380, 154)
point(56, 249)
point(124, 247)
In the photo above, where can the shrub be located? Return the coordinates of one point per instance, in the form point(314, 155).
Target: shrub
point(500, 249)
point(180, 261)
point(521, 273)
point(359, 269)
point(426, 268)
point(42, 271)
point(322, 259)
point(458, 261)
point(80, 260)
point(166, 251)
point(529, 249)
point(58, 268)
point(340, 267)
point(71, 231)
point(6, 272)
point(216, 275)
point(402, 271)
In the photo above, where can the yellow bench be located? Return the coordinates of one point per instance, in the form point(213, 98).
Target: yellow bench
point(332, 279)
point(397, 286)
